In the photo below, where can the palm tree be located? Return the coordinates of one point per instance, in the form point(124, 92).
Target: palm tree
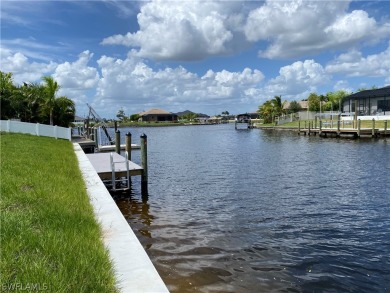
point(51, 87)
point(64, 110)
point(266, 111)
point(277, 105)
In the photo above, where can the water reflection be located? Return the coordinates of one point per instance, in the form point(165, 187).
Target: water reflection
point(137, 214)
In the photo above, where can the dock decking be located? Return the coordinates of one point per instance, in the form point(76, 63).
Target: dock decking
point(89, 145)
point(343, 131)
point(111, 148)
point(102, 164)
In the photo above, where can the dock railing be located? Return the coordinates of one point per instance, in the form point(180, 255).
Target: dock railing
point(35, 129)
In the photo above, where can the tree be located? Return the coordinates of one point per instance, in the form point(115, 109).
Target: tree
point(121, 115)
point(335, 99)
point(64, 111)
point(277, 105)
point(7, 90)
point(266, 111)
point(294, 107)
point(313, 102)
point(33, 102)
point(225, 113)
point(27, 102)
point(51, 88)
point(134, 117)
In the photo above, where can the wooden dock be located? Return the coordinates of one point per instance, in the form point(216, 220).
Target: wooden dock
point(111, 148)
point(89, 145)
point(102, 164)
point(86, 144)
point(324, 132)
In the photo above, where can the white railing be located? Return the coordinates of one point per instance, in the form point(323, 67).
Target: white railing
point(35, 129)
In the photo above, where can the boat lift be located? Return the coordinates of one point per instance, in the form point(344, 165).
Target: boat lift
point(98, 119)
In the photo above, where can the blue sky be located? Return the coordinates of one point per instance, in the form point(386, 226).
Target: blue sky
point(203, 56)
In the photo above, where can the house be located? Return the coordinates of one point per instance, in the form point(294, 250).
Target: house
point(157, 115)
point(79, 120)
point(372, 104)
point(303, 104)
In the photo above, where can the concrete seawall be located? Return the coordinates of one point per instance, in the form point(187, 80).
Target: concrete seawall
point(133, 269)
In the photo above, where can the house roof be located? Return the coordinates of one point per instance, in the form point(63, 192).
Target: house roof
point(376, 93)
point(78, 118)
point(303, 104)
point(154, 112)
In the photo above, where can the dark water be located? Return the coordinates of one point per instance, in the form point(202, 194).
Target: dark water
point(263, 211)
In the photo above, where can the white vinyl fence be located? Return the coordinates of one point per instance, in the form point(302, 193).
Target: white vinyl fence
point(35, 129)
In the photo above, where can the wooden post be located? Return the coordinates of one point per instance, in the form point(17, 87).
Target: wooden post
point(385, 127)
point(128, 145)
point(118, 142)
point(144, 164)
point(338, 127)
point(96, 137)
point(299, 127)
point(373, 128)
point(358, 127)
point(320, 132)
point(356, 110)
point(315, 122)
point(309, 129)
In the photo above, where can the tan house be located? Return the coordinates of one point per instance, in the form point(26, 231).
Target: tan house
point(303, 104)
point(157, 115)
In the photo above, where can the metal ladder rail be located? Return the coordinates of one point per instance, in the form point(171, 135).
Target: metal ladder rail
point(113, 180)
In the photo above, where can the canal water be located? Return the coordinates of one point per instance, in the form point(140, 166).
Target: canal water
point(263, 211)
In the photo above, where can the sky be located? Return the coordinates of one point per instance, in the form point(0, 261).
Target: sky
point(204, 56)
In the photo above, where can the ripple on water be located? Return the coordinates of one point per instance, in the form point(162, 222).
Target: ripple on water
point(264, 211)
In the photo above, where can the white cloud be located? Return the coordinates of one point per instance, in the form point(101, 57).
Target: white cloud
point(342, 85)
point(132, 84)
point(184, 30)
point(194, 30)
point(77, 75)
point(354, 63)
point(22, 68)
point(295, 28)
point(296, 80)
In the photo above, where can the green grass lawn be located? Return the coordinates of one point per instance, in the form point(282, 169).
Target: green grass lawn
point(49, 237)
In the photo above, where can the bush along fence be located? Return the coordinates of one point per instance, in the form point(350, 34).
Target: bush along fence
point(36, 129)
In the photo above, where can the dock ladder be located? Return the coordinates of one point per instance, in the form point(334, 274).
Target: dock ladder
point(113, 177)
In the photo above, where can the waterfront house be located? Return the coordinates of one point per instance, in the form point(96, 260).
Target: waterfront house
point(79, 121)
point(368, 104)
point(157, 115)
point(303, 104)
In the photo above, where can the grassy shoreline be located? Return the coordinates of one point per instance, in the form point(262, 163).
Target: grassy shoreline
point(50, 239)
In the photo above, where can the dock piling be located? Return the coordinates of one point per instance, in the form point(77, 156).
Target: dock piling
point(338, 127)
point(128, 144)
point(385, 128)
point(118, 142)
point(144, 165)
point(96, 137)
point(358, 127)
point(373, 128)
